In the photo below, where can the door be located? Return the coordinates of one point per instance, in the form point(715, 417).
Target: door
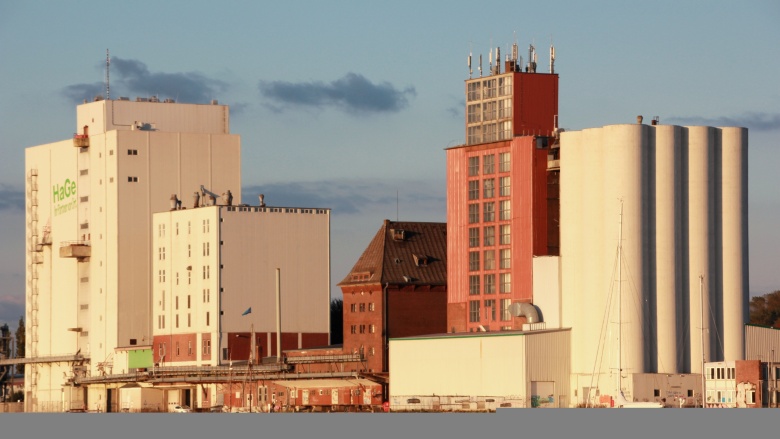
point(334, 397)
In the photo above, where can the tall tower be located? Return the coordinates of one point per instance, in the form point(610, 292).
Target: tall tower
point(89, 225)
point(501, 194)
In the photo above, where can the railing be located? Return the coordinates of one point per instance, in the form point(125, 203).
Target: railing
point(77, 242)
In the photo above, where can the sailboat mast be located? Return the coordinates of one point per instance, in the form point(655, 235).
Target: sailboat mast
point(620, 300)
point(701, 298)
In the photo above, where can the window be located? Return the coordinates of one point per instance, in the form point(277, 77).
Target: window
point(206, 295)
point(490, 235)
point(474, 285)
point(506, 282)
point(362, 307)
point(474, 311)
point(473, 166)
point(161, 253)
point(371, 306)
point(504, 186)
point(474, 112)
point(189, 227)
point(162, 300)
point(506, 258)
point(489, 187)
point(208, 322)
point(371, 329)
point(189, 301)
point(362, 329)
point(206, 248)
point(474, 261)
point(490, 260)
point(656, 392)
point(177, 302)
point(505, 314)
point(177, 229)
point(505, 212)
point(505, 236)
point(473, 213)
point(160, 350)
point(353, 329)
point(206, 347)
point(474, 237)
point(489, 164)
point(189, 320)
point(490, 284)
point(132, 179)
point(489, 211)
point(189, 277)
point(490, 310)
point(177, 278)
point(353, 307)
point(750, 397)
point(189, 347)
point(474, 190)
point(177, 349)
point(503, 162)
point(189, 250)
point(132, 152)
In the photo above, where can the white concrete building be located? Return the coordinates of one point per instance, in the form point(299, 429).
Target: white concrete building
point(90, 202)
point(684, 230)
point(213, 264)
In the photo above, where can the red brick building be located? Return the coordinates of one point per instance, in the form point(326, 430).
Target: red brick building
point(502, 196)
point(397, 288)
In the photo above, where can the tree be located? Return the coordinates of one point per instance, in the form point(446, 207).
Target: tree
point(765, 310)
point(20, 337)
point(336, 321)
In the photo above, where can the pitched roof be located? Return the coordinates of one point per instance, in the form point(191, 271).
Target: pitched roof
point(413, 253)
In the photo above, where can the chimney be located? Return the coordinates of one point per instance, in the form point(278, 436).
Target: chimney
point(639, 119)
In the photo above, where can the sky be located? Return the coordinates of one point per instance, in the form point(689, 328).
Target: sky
point(349, 105)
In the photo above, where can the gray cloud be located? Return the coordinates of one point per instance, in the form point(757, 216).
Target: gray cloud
point(10, 198)
point(11, 308)
point(133, 77)
point(347, 197)
point(352, 93)
point(751, 120)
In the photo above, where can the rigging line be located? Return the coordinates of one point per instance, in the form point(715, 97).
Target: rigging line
point(604, 325)
point(715, 326)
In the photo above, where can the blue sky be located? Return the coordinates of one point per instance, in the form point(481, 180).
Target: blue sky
point(350, 104)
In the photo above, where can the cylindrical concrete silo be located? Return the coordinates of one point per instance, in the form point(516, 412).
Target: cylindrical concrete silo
point(625, 145)
point(668, 258)
point(734, 217)
point(701, 229)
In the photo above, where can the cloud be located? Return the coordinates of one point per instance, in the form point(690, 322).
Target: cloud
point(133, 77)
point(348, 197)
point(752, 120)
point(11, 308)
point(11, 199)
point(352, 93)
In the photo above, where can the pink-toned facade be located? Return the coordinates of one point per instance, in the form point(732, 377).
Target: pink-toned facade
point(502, 201)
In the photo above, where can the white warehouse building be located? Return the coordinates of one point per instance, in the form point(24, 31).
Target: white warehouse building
point(90, 202)
point(683, 195)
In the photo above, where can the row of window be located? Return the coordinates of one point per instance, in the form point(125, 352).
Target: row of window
point(489, 235)
point(476, 312)
point(489, 164)
point(362, 328)
point(489, 188)
point(489, 211)
point(206, 299)
point(206, 275)
point(489, 286)
point(490, 110)
point(721, 373)
point(361, 306)
point(489, 261)
point(161, 227)
point(161, 320)
point(489, 88)
point(162, 348)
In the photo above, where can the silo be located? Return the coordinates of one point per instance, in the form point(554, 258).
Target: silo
point(625, 145)
point(571, 236)
point(668, 187)
point(701, 229)
point(735, 239)
point(594, 289)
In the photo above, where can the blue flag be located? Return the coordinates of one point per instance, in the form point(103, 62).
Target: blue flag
point(248, 310)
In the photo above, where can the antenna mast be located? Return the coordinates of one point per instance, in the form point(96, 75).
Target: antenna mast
point(620, 300)
point(108, 86)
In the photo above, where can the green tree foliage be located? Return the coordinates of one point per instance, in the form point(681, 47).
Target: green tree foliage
point(336, 321)
point(765, 310)
point(20, 337)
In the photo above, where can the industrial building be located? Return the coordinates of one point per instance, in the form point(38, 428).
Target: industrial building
point(90, 201)
point(397, 288)
point(215, 287)
point(671, 201)
point(502, 206)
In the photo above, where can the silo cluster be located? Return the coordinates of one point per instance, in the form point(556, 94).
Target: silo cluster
point(683, 196)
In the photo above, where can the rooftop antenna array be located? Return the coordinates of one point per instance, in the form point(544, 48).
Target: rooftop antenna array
point(480, 65)
point(552, 57)
point(531, 59)
point(108, 87)
point(471, 72)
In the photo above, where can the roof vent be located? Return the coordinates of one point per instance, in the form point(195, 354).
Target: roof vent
point(407, 278)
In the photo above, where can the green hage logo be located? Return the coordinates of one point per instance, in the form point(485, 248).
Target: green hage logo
point(64, 197)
